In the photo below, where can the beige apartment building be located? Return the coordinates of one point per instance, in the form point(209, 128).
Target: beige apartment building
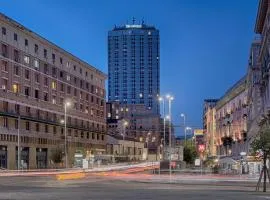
point(231, 121)
point(36, 79)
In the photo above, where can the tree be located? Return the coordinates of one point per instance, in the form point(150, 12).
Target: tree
point(190, 154)
point(57, 155)
point(262, 143)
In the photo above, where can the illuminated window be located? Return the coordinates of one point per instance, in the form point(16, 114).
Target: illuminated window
point(15, 87)
point(26, 59)
point(53, 85)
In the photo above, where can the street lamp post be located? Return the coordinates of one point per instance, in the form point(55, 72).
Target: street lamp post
point(66, 104)
point(164, 125)
point(170, 98)
point(19, 149)
point(125, 124)
point(184, 117)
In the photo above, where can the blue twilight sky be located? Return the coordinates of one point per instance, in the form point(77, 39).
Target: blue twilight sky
point(204, 44)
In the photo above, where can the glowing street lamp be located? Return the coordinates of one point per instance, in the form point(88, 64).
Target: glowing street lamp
point(66, 105)
point(184, 117)
point(170, 99)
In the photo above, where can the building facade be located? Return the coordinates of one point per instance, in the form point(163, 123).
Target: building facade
point(209, 126)
point(134, 66)
point(37, 79)
point(142, 124)
point(231, 121)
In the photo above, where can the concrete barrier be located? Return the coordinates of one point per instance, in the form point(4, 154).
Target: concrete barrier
point(70, 176)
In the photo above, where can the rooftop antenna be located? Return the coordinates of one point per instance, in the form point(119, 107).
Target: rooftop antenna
point(133, 20)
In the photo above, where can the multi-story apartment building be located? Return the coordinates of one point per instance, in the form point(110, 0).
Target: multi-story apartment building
point(209, 126)
point(262, 27)
point(133, 65)
point(231, 121)
point(37, 78)
point(254, 89)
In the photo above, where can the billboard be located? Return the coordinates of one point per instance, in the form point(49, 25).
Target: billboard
point(198, 132)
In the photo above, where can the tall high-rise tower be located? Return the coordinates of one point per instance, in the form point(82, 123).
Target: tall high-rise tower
point(133, 62)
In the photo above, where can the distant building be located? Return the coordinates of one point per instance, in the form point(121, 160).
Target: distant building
point(134, 66)
point(142, 124)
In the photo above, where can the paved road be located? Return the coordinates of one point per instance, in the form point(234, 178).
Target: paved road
point(104, 188)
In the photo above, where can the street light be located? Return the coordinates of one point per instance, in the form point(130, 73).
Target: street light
point(184, 117)
point(66, 105)
point(125, 124)
point(170, 98)
point(161, 99)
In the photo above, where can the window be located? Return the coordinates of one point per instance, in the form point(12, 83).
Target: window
point(36, 48)
point(27, 91)
point(37, 127)
point(97, 136)
point(61, 60)
point(68, 89)
point(54, 99)
point(4, 50)
point(68, 77)
point(27, 110)
point(37, 77)
point(93, 136)
point(26, 59)
point(45, 53)
point(45, 81)
point(27, 126)
point(16, 70)
point(53, 58)
point(80, 70)
point(16, 124)
point(4, 84)
point(54, 71)
point(27, 74)
point(102, 137)
point(4, 66)
point(5, 106)
point(15, 37)
point(36, 94)
point(62, 87)
point(75, 92)
point(46, 70)
point(45, 96)
point(4, 31)
point(17, 108)
point(15, 88)
point(26, 42)
point(36, 63)
point(46, 128)
point(82, 135)
point(5, 122)
point(74, 68)
point(53, 85)
point(86, 73)
point(54, 129)
point(68, 64)
point(16, 55)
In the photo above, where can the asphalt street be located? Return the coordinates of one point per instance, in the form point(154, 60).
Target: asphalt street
point(102, 188)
